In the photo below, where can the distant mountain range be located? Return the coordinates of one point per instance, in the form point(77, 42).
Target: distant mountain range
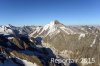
point(36, 45)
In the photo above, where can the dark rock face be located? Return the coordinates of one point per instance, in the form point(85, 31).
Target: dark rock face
point(38, 40)
point(3, 38)
point(73, 64)
point(8, 46)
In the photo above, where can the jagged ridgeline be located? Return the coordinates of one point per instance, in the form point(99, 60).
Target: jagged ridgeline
point(36, 45)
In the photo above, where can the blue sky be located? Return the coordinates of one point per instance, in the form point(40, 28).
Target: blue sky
point(41, 12)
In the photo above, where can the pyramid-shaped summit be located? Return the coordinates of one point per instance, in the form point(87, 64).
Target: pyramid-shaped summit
point(55, 22)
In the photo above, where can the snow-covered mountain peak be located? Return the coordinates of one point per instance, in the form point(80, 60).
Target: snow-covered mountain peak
point(53, 25)
point(53, 28)
point(6, 29)
point(9, 25)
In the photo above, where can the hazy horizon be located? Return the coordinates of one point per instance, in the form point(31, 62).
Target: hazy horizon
point(49, 23)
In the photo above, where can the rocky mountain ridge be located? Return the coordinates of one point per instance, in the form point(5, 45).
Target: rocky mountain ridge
point(38, 44)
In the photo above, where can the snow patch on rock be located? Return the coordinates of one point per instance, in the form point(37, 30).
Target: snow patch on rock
point(82, 35)
point(27, 63)
point(93, 43)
